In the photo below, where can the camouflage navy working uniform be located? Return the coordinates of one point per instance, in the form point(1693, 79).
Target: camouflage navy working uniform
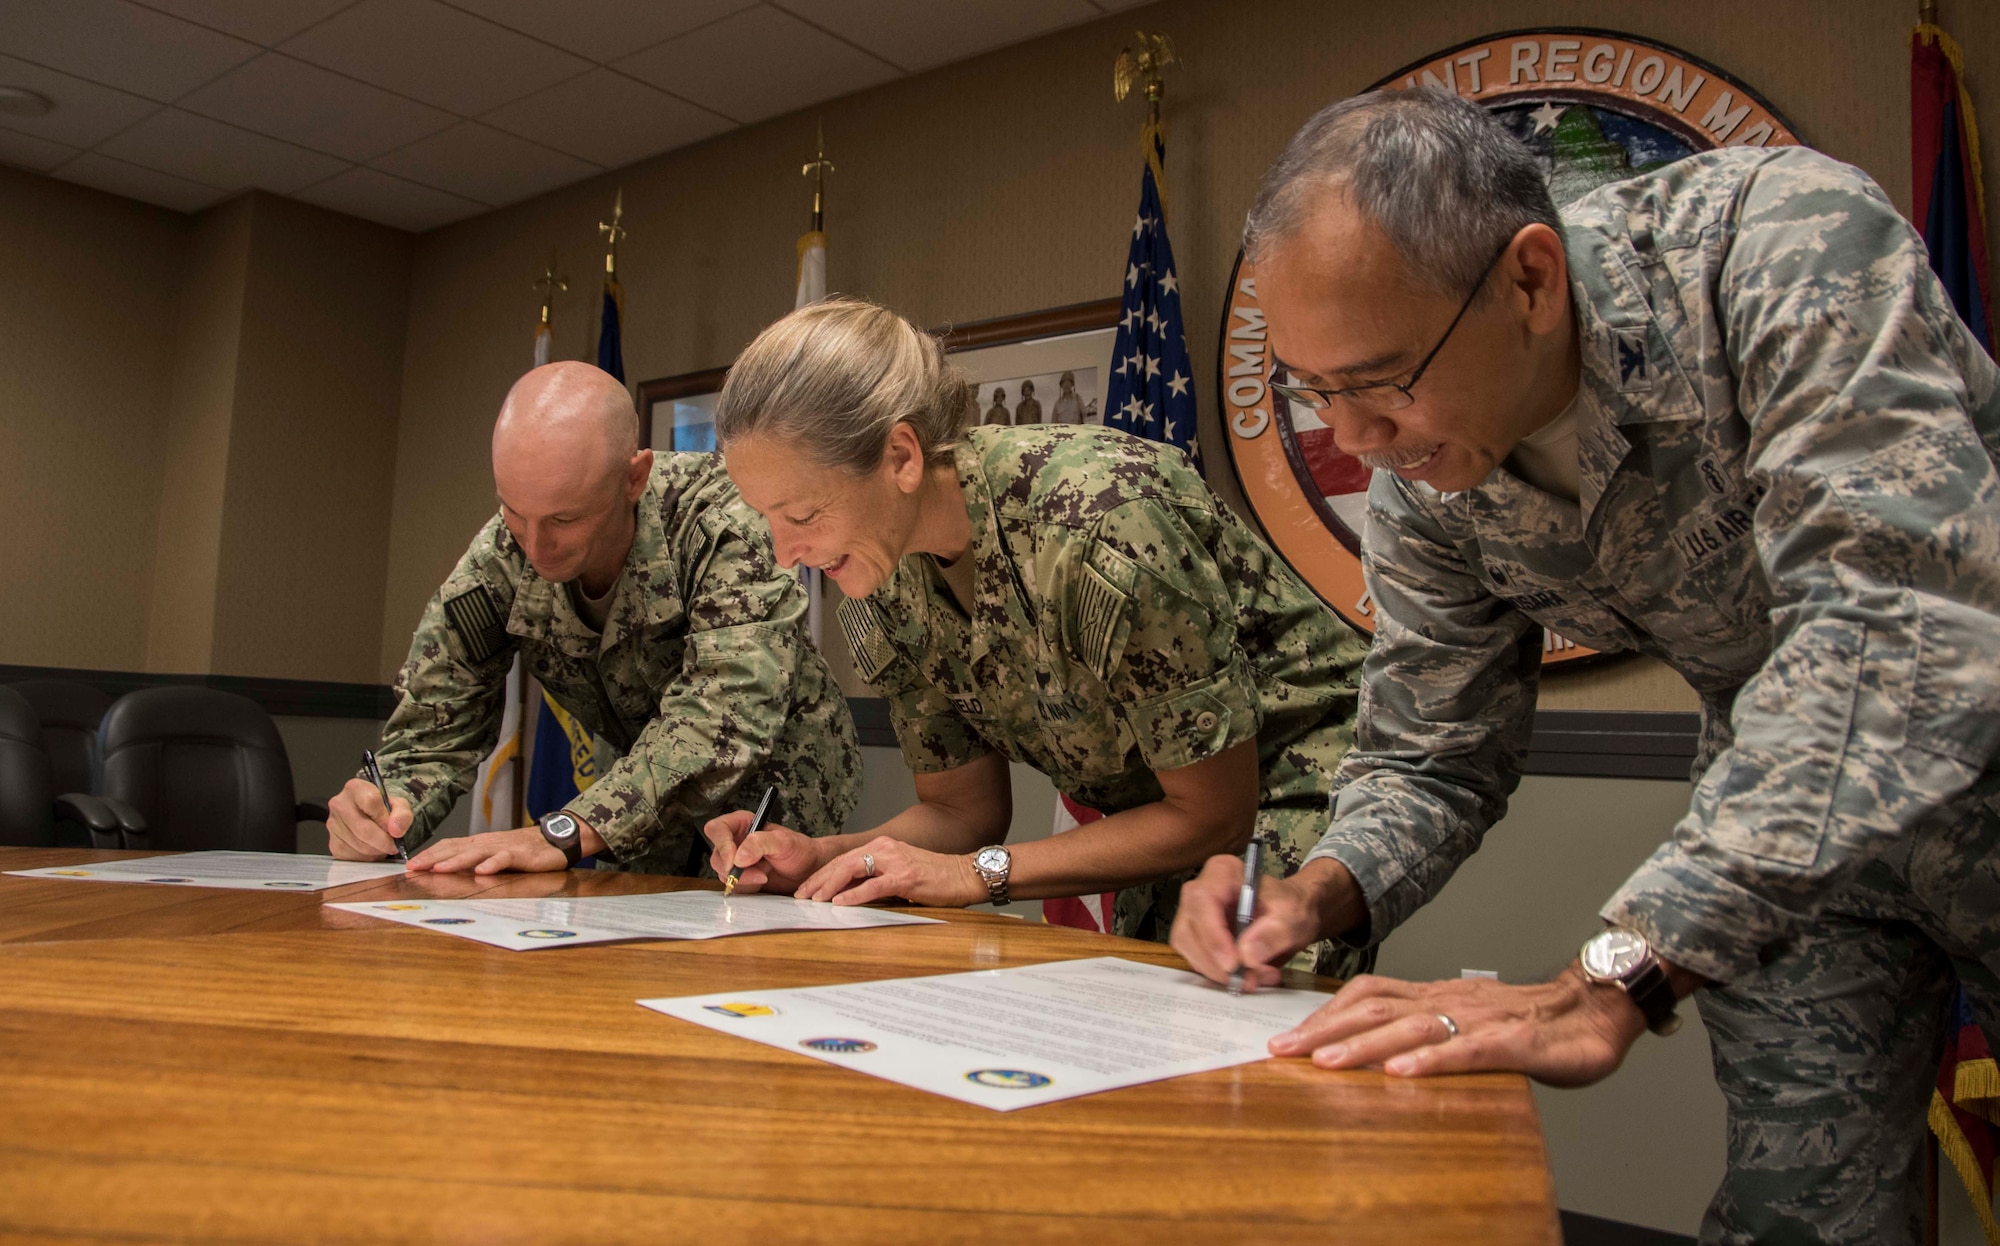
point(1123, 622)
point(704, 679)
point(1786, 447)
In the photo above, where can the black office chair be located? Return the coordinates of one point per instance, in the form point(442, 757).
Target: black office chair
point(29, 809)
point(70, 713)
point(205, 769)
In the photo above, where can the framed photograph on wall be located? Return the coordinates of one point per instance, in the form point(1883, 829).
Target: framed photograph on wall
point(1045, 367)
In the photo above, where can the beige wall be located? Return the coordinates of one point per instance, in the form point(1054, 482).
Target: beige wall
point(87, 280)
point(1007, 184)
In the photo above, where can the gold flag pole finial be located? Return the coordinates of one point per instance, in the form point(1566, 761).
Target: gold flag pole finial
point(1156, 52)
point(817, 168)
point(1927, 13)
point(550, 285)
point(612, 231)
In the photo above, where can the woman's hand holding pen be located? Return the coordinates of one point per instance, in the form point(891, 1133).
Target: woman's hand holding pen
point(774, 860)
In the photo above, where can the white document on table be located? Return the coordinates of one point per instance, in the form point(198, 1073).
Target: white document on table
point(1013, 1038)
point(527, 925)
point(240, 871)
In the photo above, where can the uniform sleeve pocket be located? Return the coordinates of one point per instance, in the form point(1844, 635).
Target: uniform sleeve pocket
point(1196, 722)
point(1793, 724)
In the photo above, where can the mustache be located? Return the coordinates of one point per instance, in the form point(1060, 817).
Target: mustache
point(1390, 460)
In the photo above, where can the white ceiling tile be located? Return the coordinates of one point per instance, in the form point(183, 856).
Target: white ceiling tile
point(133, 182)
point(923, 34)
point(602, 30)
point(260, 21)
point(441, 56)
point(214, 154)
point(85, 113)
point(111, 41)
point(607, 118)
point(375, 196)
point(483, 164)
point(757, 64)
point(28, 152)
point(305, 104)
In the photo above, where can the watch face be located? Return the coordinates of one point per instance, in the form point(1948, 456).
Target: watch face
point(560, 825)
point(1613, 954)
point(991, 859)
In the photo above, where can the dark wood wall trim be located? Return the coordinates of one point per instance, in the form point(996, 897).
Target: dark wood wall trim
point(303, 698)
point(1582, 743)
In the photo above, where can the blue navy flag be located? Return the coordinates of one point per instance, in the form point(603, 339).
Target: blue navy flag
point(1151, 392)
point(610, 338)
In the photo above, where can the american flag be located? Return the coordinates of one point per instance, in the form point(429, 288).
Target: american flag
point(1151, 393)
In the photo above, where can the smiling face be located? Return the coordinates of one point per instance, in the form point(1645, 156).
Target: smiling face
point(855, 528)
point(1344, 311)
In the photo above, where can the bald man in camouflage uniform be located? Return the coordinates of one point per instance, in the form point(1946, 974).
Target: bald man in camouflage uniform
point(1123, 622)
point(699, 672)
point(1786, 446)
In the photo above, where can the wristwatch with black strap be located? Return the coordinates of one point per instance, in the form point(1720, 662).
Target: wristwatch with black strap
point(565, 833)
point(1622, 958)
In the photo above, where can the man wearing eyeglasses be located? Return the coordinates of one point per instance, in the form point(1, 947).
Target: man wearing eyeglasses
point(1724, 414)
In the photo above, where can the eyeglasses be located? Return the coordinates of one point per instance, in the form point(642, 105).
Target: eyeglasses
point(1378, 396)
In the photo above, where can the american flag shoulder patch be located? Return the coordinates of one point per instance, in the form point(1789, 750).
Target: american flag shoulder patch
point(866, 638)
point(1099, 606)
point(480, 631)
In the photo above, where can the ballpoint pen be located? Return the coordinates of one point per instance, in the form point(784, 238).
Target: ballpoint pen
point(375, 776)
point(1246, 907)
point(756, 824)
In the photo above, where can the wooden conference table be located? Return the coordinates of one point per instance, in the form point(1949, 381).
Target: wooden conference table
point(179, 1064)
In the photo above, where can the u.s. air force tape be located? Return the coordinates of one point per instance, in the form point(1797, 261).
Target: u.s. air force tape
point(480, 631)
point(865, 637)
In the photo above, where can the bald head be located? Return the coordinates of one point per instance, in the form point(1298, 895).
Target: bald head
point(568, 468)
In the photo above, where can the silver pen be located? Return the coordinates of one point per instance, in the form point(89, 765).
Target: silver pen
point(1246, 906)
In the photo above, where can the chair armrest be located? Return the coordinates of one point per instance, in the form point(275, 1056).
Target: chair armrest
point(94, 816)
point(312, 811)
point(131, 823)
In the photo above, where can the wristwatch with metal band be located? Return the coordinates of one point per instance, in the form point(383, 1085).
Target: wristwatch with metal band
point(565, 833)
point(992, 864)
point(1622, 958)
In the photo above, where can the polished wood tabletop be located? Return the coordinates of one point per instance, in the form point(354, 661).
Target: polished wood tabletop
point(185, 1064)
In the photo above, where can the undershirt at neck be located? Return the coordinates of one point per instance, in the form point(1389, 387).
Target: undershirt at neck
point(1547, 457)
point(594, 611)
point(957, 576)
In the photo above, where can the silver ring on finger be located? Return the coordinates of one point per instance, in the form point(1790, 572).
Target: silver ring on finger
point(868, 865)
point(1450, 1027)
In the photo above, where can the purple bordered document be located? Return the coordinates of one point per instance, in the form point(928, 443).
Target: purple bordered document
point(1013, 1038)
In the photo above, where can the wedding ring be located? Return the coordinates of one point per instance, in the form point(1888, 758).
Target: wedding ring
point(868, 867)
point(1450, 1027)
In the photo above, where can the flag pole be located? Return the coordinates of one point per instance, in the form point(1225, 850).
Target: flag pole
point(1143, 67)
point(811, 289)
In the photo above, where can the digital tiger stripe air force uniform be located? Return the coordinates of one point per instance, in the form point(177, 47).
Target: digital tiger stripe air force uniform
point(1786, 444)
point(704, 679)
point(1123, 622)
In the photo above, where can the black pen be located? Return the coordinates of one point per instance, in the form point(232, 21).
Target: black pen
point(1246, 906)
point(756, 824)
point(375, 776)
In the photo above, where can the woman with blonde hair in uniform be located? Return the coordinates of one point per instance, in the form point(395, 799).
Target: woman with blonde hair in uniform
point(1073, 598)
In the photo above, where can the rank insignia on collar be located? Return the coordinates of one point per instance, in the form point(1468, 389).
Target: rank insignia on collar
point(1635, 373)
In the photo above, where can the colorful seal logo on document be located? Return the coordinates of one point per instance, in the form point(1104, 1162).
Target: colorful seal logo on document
point(70, 873)
point(740, 1011)
point(547, 934)
point(447, 921)
point(400, 908)
point(838, 1046)
point(291, 885)
point(1007, 1079)
point(170, 880)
